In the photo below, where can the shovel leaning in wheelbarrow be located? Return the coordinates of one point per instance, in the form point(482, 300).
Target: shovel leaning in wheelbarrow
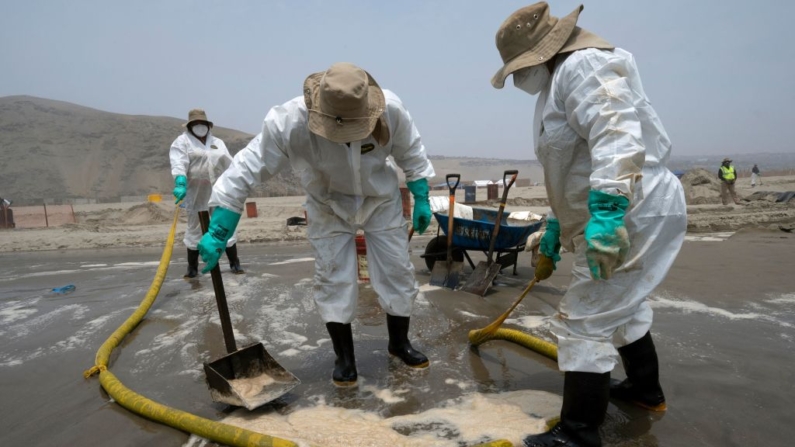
point(446, 274)
point(481, 278)
point(248, 377)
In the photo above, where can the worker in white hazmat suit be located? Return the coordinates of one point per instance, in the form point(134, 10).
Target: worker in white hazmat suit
point(614, 204)
point(197, 160)
point(337, 136)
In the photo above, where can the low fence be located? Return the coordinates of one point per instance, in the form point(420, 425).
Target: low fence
point(43, 216)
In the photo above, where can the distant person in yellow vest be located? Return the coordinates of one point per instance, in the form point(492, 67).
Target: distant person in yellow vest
point(727, 176)
point(197, 159)
point(756, 176)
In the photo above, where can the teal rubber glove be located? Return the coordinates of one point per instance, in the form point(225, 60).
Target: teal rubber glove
point(180, 187)
point(421, 217)
point(550, 242)
point(605, 234)
point(213, 243)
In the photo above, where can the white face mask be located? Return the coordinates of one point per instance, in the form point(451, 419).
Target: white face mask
point(531, 79)
point(200, 130)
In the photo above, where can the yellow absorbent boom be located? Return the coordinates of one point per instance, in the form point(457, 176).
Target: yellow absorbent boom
point(181, 420)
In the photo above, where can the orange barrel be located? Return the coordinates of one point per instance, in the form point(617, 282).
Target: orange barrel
point(361, 258)
point(405, 196)
point(251, 209)
point(492, 191)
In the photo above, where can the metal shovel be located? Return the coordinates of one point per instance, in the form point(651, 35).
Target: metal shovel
point(446, 274)
point(249, 377)
point(480, 280)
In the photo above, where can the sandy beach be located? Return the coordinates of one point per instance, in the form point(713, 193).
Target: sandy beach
point(723, 321)
point(146, 224)
point(723, 328)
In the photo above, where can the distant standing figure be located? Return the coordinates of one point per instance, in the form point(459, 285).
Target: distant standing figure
point(727, 176)
point(755, 176)
point(197, 159)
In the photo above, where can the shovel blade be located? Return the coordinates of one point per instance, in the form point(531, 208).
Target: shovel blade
point(446, 274)
point(481, 278)
point(248, 378)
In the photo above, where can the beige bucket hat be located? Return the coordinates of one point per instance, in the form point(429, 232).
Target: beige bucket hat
point(198, 115)
point(345, 104)
point(530, 36)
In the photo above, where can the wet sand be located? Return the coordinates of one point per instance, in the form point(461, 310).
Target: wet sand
point(724, 330)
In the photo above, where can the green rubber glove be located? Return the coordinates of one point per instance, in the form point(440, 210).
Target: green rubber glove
point(213, 243)
point(550, 242)
point(421, 217)
point(605, 234)
point(180, 187)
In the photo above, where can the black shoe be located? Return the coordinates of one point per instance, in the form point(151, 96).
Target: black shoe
point(193, 264)
point(345, 366)
point(642, 385)
point(234, 261)
point(399, 344)
point(585, 397)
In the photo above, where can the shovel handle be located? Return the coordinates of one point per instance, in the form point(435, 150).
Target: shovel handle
point(513, 173)
point(450, 215)
point(452, 187)
point(498, 221)
point(220, 294)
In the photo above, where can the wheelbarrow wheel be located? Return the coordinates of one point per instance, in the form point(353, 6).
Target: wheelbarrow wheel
point(436, 250)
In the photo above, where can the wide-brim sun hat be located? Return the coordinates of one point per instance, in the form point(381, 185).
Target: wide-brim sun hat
point(531, 36)
point(198, 115)
point(345, 104)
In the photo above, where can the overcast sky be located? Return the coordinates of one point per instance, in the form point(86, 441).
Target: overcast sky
point(719, 73)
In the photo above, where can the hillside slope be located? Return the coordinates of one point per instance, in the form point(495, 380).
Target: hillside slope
point(59, 150)
point(55, 149)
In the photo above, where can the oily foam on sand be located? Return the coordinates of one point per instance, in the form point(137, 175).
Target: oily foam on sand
point(468, 420)
point(659, 301)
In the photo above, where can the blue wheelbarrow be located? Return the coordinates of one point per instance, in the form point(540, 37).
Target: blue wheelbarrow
point(475, 234)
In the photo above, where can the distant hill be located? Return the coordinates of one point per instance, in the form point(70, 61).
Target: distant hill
point(58, 150)
point(54, 149)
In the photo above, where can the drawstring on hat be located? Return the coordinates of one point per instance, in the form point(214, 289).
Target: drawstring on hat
point(340, 119)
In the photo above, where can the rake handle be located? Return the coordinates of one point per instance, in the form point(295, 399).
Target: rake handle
point(496, 324)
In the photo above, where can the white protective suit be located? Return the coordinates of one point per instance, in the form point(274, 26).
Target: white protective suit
point(202, 164)
point(346, 190)
point(596, 129)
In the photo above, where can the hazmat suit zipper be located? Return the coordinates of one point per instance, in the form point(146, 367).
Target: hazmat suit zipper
point(355, 162)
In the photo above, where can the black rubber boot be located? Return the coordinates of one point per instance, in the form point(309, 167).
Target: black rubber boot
point(345, 366)
point(193, 264)
point(585, 397)
point(234, 261)
point(642, 385)
point(399, 344)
